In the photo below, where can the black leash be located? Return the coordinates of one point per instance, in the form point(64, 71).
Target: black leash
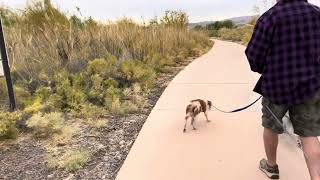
point(240, 109)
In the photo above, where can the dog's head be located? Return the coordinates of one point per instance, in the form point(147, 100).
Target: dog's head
point(210, 104)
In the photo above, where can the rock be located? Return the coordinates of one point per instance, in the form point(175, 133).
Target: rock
point(69, 177)
point(51, 176)
point(100, 147)
point(122, 142)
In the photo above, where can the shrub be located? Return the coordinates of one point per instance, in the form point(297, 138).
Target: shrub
point(47, 124)
point(23, 97)
point(71, 160)
point(34, 108)
point(91, 112)
point(97, 123)
point(137, 72)
point(76, 160)
point(62, 138)
point(67, 96)
point(8, 128)
point(115, 106)
point(128, 108)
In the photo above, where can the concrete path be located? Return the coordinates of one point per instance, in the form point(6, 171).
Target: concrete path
point(228, 148)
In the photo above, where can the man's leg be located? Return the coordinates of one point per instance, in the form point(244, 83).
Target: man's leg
point(311, 149)
point(270, 136)
point(270, 139)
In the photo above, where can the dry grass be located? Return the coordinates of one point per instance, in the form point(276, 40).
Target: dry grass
point(71, 160)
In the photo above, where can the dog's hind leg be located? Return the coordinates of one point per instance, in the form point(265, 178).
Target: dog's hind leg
point(206, 114)
point(192, 123)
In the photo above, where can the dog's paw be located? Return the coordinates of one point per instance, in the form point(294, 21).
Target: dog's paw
point(208, 121)
point(194, 128)
point(184, 131)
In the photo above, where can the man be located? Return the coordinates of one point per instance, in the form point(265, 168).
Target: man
point(285, 50)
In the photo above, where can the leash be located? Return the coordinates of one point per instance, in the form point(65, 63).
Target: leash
point(246, 107)
point(240, 109)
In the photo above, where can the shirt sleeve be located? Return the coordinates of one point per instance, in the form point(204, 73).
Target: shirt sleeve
point(257, 49)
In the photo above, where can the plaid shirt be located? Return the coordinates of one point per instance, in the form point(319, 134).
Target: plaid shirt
point(285, 49)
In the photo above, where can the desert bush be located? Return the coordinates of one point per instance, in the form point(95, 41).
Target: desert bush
point(8, 129)
point(91, 112)
point(138, 72)
point(128, 107)
point(97, 123)
point(64, 137)
point(45, 125)
point(71, 160)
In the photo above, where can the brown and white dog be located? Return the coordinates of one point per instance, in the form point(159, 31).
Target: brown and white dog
point(196, 107)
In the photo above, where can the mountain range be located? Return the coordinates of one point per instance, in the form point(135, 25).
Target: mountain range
point(236, 20)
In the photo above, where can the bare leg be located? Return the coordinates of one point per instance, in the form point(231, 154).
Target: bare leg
point(206, 114)
point(311, 149)
point(192, 123)
point(270, 144)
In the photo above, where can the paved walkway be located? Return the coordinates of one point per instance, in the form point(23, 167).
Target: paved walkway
point(228, 148)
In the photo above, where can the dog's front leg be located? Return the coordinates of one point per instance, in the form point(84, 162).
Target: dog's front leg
point(185, 124)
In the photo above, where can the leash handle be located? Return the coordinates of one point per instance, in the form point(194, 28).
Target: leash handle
point(240, 109)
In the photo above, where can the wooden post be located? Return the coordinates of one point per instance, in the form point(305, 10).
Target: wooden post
point(6, 68)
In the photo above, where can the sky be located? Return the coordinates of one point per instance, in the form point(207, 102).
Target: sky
point(144, 10)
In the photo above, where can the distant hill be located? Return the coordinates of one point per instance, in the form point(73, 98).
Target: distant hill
point(236, 20)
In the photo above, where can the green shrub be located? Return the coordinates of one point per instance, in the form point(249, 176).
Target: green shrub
point(76, 160)
point(8, 129)
point(34, 108)
point(47, 124)
point(23, 97)
point(90, 111)
point(67, 96)
point(137, 72)
point(103, 67)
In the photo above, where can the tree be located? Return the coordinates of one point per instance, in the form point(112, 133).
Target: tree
point(177, 19)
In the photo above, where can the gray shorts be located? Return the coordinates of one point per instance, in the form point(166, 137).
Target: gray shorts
point(305, 117)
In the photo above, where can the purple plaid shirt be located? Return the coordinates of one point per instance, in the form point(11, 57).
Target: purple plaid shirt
point(285, 49)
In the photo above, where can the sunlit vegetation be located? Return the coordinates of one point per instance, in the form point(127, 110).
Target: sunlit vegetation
point(69, 67)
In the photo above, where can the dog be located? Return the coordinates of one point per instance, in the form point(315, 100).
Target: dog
point(196, 107)
point(288, 129)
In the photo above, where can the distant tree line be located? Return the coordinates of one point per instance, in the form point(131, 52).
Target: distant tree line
point(213, 28)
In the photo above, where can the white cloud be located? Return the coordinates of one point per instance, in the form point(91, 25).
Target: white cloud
point(316, 2)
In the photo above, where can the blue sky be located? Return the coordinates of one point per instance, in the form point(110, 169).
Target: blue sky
point(143, 10)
